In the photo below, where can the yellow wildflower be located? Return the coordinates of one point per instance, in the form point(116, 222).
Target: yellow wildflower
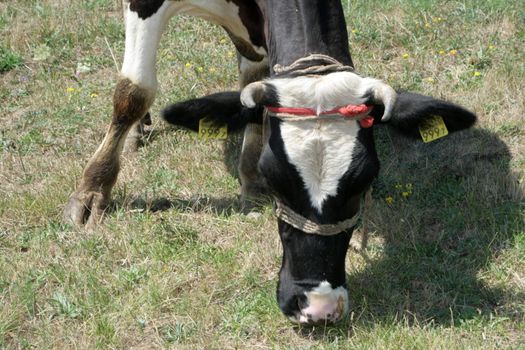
point(441, 52)
point(223, 41)
point(427, 25)
point(230, 54)
point(406, 55)
point(453, 52)
point(200, 69)
point(70, 89)
point(405, 194)
point(354, 31)
point(93, 95)
point(491, 47)
point(187, 65)
point(477, 74)
point(389, 200)
point(430, 79)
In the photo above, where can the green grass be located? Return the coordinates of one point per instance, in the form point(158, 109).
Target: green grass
point(8, 60)
point(175, 265)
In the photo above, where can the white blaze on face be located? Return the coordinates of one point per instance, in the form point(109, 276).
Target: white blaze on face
point(322, 152)
point(325, 304)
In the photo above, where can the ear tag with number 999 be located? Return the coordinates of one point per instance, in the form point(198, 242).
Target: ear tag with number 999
point(433, 129)
point(210, 130)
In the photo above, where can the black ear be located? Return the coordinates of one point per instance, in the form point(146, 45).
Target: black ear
point(220, 108)
point(411, 110)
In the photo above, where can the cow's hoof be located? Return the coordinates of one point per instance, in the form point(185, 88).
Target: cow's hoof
point(254, 196)
point(355, 244)
point(250, 206)
point(253, 215)
point(359, 241)
point(85, 208)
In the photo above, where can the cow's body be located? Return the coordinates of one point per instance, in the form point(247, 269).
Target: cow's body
point(316, 168)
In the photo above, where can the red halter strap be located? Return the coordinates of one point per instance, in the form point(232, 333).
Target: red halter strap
point(348, 111)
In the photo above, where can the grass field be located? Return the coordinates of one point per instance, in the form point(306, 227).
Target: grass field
point(175, 264)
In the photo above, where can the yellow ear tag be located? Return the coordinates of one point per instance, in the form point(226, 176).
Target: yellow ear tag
point(433, 129)
point(210, 130)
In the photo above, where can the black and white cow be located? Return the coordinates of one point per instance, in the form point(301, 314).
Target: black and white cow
point(316, 168)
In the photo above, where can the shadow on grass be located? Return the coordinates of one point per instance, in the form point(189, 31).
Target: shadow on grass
point(462, 213)
point(464, 210)
point(224, 206)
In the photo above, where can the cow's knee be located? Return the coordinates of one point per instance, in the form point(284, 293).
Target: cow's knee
point(130, 102)
point(130, 105)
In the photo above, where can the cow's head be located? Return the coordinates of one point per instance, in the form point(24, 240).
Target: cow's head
point(319, 168)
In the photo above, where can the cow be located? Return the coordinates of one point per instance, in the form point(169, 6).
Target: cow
point(306, 116)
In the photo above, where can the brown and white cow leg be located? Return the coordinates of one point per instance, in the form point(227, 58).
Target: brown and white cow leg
point(252, 187)
point(87, 203)
point(133, 96)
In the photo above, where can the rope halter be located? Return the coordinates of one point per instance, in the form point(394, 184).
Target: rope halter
point(299, 222)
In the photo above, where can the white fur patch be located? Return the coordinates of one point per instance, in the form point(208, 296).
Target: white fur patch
point(143, 35)
point(322, 151)
point(142, 42)
point(325, 303)
point(325, 92)
point(223, 13)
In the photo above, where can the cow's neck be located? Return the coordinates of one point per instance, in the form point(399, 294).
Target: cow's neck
point(299, 28)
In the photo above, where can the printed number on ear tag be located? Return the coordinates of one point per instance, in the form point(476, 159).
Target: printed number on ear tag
point(433, 129)
point(210, 130)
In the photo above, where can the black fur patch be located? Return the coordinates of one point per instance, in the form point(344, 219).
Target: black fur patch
point(271, 97)
point(253, 20)
point(221, 108)
point(301, 27)
point(412, 109)
point(145, 8)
